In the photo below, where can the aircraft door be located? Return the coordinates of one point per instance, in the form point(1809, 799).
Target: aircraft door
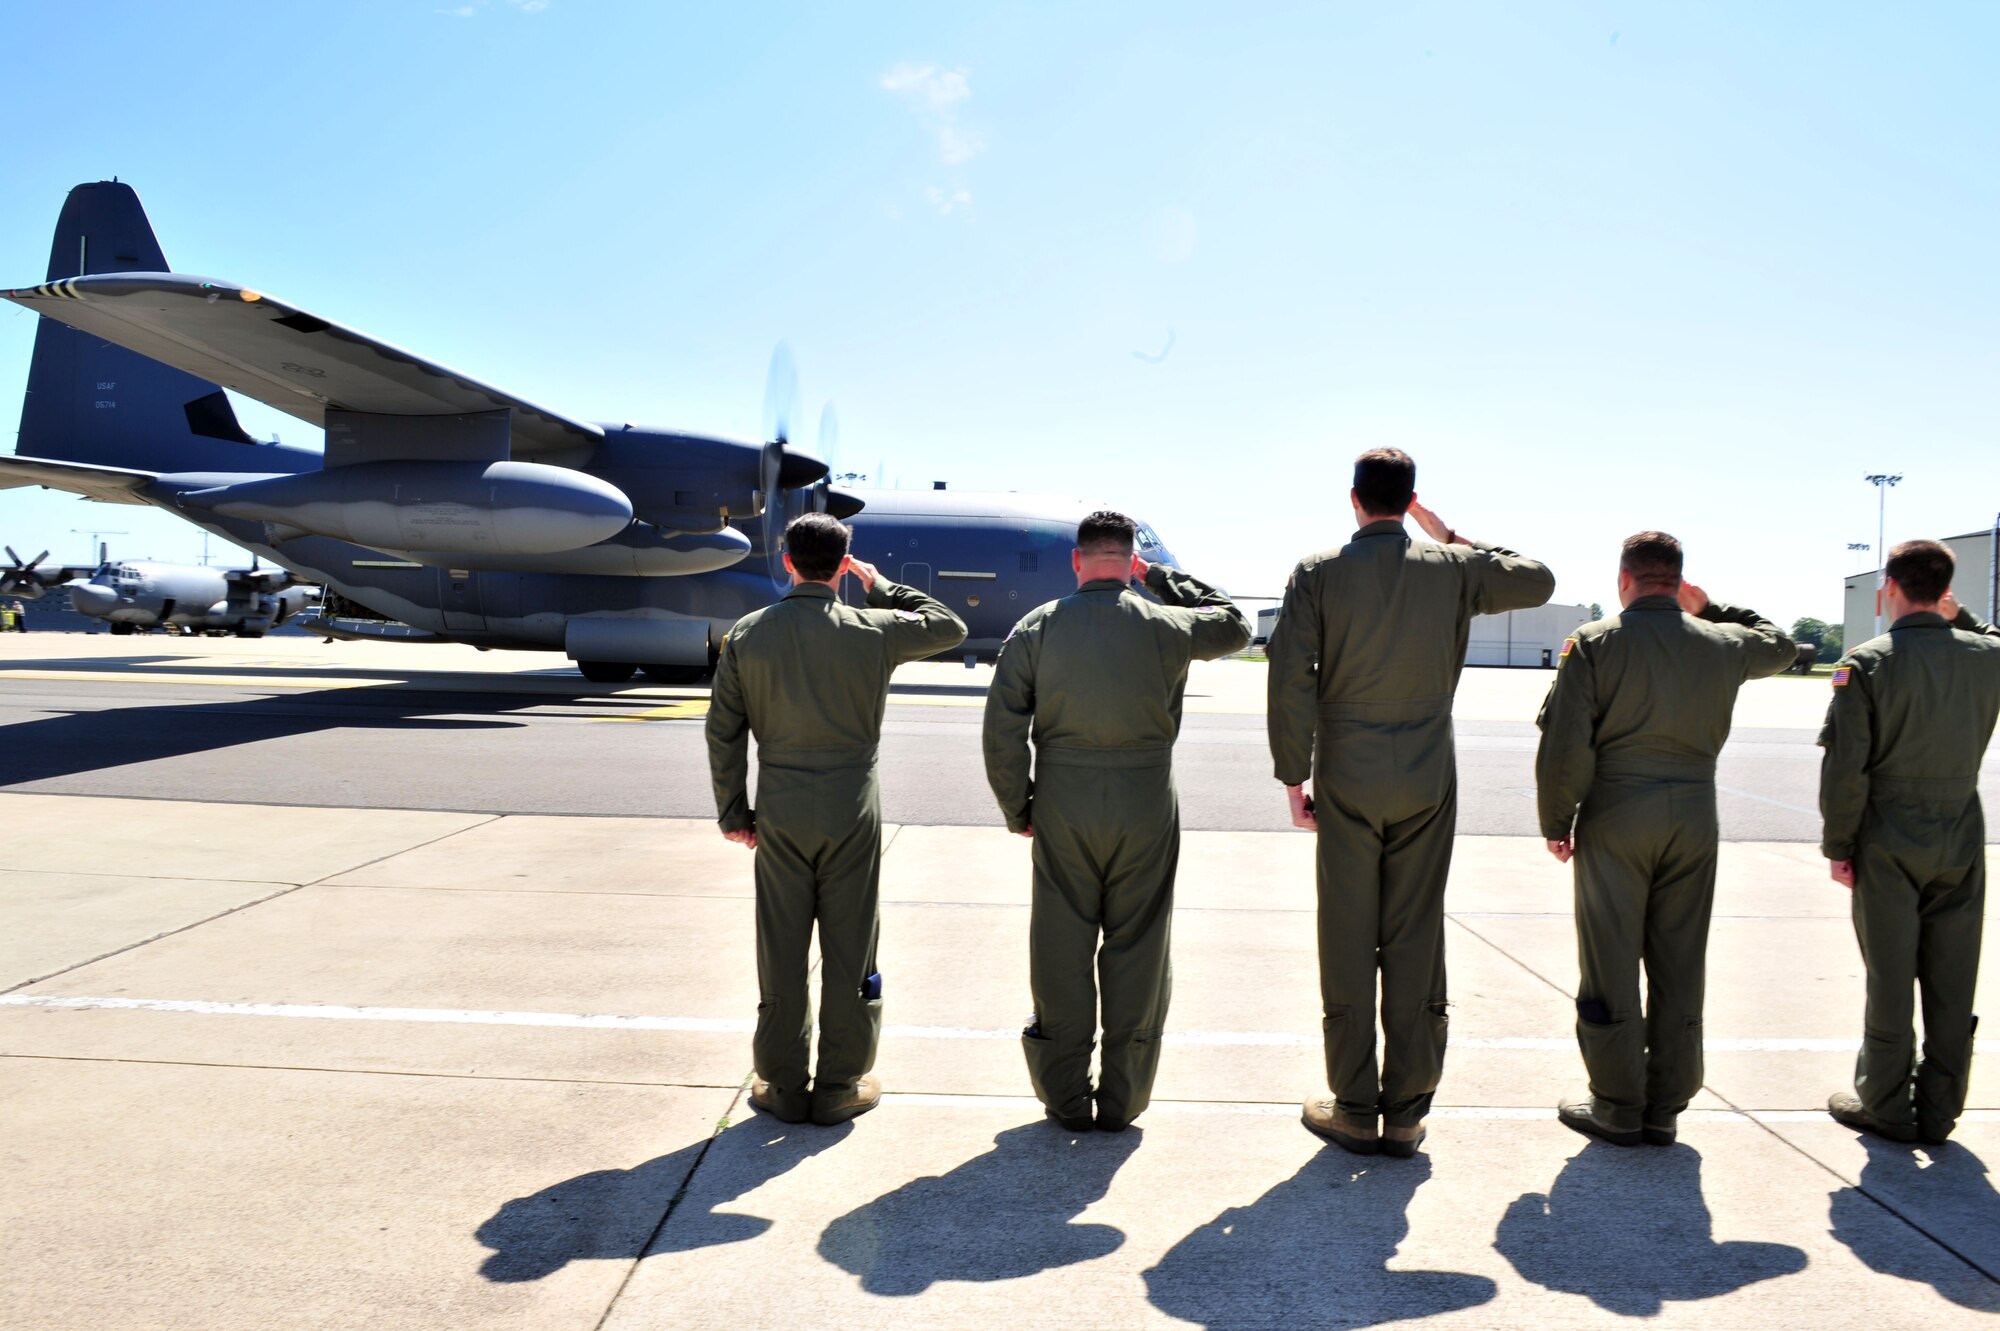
point(458, 600)
point(918, 576)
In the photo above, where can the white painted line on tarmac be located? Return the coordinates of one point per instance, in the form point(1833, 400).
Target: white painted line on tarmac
point(744, 1025)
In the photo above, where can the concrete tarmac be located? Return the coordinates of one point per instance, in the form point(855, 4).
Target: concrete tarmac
point(424, 1065)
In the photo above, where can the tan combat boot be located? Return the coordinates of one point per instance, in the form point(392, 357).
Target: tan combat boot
point(1402, 1139)
point(828, 1110)
point(785, 1108)
point(1846, 1108)
point(1590, 1118)
point(1350, 1132)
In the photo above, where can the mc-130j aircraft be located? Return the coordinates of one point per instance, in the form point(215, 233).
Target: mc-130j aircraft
point(442, 507)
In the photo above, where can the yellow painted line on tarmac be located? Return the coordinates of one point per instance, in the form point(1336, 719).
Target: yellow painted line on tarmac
point(685, 710)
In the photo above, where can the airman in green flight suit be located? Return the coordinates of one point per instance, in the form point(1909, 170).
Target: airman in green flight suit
point(1095, 680)
point(809, 678)
point(1625, 778)
point(1365, 659)
point(1910, 719)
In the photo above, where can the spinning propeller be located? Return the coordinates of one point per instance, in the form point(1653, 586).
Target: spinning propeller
point(785, 472)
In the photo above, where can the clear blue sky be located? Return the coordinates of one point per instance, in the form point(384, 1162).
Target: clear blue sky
point(1598, 266)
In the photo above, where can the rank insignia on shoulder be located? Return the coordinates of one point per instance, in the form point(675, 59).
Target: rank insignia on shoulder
point(1841, 676)
point(909, 617)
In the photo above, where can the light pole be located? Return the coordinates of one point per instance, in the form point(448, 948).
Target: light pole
point(1881, 484)
point(1859, 545)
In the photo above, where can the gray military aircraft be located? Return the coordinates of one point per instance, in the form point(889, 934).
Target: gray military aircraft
point(445, 508)
point(132, 595)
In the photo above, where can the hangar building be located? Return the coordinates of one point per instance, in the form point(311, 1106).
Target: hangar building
point(1976, 584)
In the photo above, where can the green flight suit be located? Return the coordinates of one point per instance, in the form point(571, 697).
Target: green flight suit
point(1364, 661)
point(809, 677)
point(1640, 708)
point(1911, 715)
point(1096, 678)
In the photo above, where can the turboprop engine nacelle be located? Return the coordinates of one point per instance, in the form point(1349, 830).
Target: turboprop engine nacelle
point(523, 508)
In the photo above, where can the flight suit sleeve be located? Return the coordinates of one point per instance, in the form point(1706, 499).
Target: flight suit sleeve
point(1768, 649)
point(1502, 580)
point(922, 625)
point(729, 746)
point(1967, 622)
point(1291, 709)
point(1848, 738)
point(1219, 627)
point(1566, 762)
point(1010, 717)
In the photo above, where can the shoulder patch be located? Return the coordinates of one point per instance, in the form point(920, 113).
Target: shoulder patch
point(1569, 645)
point(1841, 676)
point(909, 616)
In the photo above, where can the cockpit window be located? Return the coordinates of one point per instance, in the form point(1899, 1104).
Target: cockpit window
point(1148, 540)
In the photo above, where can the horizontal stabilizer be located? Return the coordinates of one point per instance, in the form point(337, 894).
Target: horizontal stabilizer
point(108, 485)
point(284, 357)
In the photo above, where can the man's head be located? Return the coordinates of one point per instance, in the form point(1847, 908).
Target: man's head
point(1104, 543)
point(1649, 565)
point(1385, 481)
point(1917, 576)
point(816, 547)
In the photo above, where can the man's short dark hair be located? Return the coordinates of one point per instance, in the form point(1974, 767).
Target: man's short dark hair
point(817, 542)
point(1385, 481)
point(1922, 569)
point(1106, 532)
point(1653, 558)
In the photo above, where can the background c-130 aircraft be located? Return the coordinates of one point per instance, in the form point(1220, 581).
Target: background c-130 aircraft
point(131, 595)
point(444, 508)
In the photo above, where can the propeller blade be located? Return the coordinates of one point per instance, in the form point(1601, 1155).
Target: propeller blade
point(14, 558)
point(781, 394)
point(827, 441)
point(37, 560)
point(771, 467)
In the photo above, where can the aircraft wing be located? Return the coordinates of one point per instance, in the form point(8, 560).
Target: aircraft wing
point(106, 484)
point(261, 579)
point(282, 356)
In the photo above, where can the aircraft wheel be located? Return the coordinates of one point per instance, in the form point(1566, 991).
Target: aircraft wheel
point(675, 674)
point(121, 628)
point(607, 672)
point(247, 633)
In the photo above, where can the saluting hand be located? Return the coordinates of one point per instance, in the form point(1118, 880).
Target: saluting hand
point(1842, 872)
point(1948, 606)
point(864, 572)
point(1139, 567)
point(1692, 598)
point(1434, 526)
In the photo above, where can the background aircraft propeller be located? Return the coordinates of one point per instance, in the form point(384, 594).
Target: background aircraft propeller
point(19, 578)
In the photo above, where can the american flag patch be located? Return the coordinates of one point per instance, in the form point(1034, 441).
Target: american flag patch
point(1842, 675)
point(1569, 645)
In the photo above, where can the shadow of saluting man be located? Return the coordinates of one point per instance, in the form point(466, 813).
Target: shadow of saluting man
point(998, 1216)
point(1629, 1230)
point(612, 1213)
point(1948, 1192)
point(1312, 1252)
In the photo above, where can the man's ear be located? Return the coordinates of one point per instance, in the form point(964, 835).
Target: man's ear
point(1076, 560)
point(788, 565)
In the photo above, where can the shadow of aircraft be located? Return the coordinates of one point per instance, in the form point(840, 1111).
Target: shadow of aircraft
point(1945, 1189)
point(614, 1213)
point(1630, 1231)
point(1313, 1251)
point(999, 1216)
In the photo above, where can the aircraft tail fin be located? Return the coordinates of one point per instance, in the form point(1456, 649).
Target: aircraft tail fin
point(92, 402)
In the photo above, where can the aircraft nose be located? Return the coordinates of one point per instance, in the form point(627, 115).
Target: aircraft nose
point(90, 599)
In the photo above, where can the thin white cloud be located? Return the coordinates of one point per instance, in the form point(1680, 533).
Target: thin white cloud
point(948, 201)
point(462, 11)
point(934, 96)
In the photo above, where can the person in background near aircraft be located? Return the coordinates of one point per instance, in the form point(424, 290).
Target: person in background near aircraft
point(809, 677)
point(13, 618)
point(1640, 708)
point(1096, 678)
point(1911, 715)
point(1364, 661)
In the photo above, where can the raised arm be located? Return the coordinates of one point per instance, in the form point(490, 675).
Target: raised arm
point(922, 625)
point(1010, 716)
point(1219, 627)
point(1497, 578)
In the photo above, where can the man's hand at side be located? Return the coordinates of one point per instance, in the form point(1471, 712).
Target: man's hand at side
point(1563, 849)
point(1842, 872)
point(745, 837)
point(1302, 808)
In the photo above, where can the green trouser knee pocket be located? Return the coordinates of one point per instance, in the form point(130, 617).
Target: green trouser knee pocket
point(1350, 1059)
point(1130, 1061)
point(1059, 1072)
point(1613, 1054)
